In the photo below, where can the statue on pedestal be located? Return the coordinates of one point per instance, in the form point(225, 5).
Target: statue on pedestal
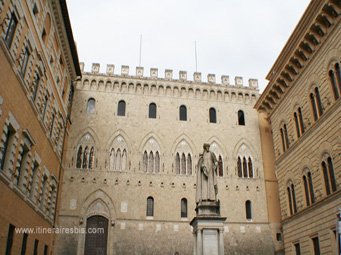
point(207, 188)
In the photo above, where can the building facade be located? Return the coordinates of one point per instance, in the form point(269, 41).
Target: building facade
point(303, 104)
point(131, 161)
point(38, 64)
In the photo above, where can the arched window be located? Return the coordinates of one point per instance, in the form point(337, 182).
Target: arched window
point(329, 175)
point(298, 133)
point(183, 164)
point(184, 208)
point(241, 118)
point(313, 106)
point(152, 110)
point(183, 113)
point(308, 188)
point(145, 161)
point(124, 160)
point(338, 75)
point(239, 166)
point(292, 198)
point(151, 163)
point(244, 167)
point(150, 206)
point(90, 107)
point(220, 166)
point(250, 168)
point(85, 157)
point(177, 163)
point(79, 158)
point(300, 116)
point(213, 115)
point(248, 210)
point(12, 25)
point(311, 188)
point(121, 108)
point(112, 159)
point(333, 84)
point(91, 158)
point(118, 160)
point(287, 142)
point(157, 162)
point(189, 164)
point(319, 102)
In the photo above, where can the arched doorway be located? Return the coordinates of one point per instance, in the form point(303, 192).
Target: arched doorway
point(96, 235)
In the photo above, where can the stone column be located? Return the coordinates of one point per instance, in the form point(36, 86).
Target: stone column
point(221, 241)
point(199, 242)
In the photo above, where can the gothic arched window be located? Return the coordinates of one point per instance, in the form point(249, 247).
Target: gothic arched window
point(189, 164)
point(239, 166)
point(177, 163)
point(145, 161)
point(183, 164)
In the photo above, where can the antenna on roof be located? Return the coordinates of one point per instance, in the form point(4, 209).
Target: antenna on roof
point(196, 60)
point(140, 49)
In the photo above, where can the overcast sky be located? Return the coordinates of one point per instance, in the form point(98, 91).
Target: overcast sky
point(234, 37)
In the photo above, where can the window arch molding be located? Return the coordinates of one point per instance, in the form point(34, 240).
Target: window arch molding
point(245, 149)
point(220, 152)
point(151, 154)
point(85, 150)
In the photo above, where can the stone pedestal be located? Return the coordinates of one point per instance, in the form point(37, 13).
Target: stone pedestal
point(208, 228)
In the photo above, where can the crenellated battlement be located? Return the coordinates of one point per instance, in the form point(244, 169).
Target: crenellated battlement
point(197, 77)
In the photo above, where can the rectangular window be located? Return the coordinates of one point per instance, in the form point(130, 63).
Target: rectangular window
point(11, 30)
point(35, 250)
point(316, 245)
point(6, 146)
point(25, 61)
point(36, 86)
point(10, 237)
point(22, 163)
point(297, 248)
point(45, 106)
point(24, 243)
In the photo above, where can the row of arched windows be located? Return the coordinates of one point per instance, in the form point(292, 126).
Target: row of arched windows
point(118, 160)
point(245, 167)
point(335, 80)
point(183, 164)
point(85, 157)
point(151, 162)
point(307, 180)
point(315, 105)
point(152, 112)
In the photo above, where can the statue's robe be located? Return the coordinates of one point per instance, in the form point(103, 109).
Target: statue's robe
point(206, 177)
